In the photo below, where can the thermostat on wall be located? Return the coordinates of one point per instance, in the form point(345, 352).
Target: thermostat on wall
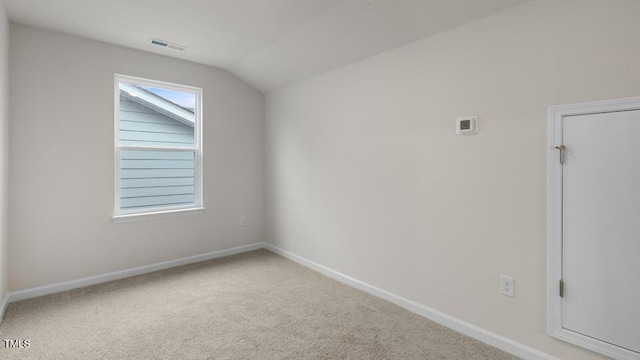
point(467, 125)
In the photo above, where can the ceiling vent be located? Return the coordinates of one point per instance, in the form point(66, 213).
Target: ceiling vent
point(167, 44)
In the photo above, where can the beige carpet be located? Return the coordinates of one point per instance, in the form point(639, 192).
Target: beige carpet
point(256, 305)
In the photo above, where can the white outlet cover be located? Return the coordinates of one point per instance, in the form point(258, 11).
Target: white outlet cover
point(507, 286)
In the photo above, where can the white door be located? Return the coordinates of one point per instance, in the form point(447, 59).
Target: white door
point(601, 227)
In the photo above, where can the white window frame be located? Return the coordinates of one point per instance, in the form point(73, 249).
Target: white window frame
point(197, 207)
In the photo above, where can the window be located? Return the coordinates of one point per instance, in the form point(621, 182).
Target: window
point(158, 149)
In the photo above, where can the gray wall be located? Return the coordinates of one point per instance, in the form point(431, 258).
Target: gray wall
point(62, 161)
point(4, 150)
point(366, 175)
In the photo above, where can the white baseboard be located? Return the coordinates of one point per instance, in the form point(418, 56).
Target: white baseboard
point(93, 280)
point(3, 307)
point(476, 332)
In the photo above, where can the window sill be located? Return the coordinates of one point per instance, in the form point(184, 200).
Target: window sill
point(156, 214)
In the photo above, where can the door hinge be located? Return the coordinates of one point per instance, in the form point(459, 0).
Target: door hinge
point(561, 288)
point(561, 149)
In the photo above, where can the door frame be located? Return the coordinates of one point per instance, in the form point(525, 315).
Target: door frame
point(554, 224)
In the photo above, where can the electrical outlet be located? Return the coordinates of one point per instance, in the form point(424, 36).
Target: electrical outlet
point(507, 286)
point(243, 221)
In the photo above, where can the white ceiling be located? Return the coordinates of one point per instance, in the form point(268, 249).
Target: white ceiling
point(268, 43)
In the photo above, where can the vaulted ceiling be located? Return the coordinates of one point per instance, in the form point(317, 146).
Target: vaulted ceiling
point(268, 43)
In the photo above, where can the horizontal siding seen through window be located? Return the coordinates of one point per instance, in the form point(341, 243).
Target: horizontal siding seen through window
point(156, 178)
point(142, 126)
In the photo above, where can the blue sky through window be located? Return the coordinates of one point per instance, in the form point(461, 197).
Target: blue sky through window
point(181, 98)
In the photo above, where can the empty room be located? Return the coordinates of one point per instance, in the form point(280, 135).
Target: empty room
point(320, 179)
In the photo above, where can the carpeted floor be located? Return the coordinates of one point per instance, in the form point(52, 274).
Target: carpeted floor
point(256, 305)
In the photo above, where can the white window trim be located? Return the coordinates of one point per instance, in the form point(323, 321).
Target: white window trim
point(554, 225)
point(159, 212)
